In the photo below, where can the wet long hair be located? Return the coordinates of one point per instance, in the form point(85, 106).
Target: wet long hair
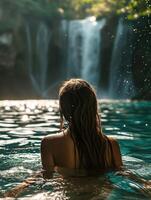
point(78, 106)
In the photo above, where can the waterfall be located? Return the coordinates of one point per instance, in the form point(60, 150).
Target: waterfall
point(121, 80)
point(38, 73)
point(42, 44)
point(30, 56)
point(84, 39)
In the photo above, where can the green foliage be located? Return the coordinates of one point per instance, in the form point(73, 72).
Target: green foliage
point(131, 8)
point(78, 8)
point(135, 8)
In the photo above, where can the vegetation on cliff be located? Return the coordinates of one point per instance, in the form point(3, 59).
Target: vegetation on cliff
point(131, 8)
point(78, 8)
point(54, 10)
point(21, 19)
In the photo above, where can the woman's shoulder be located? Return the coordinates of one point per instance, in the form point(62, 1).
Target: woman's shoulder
point(113, 141)
point(55, 136)
point(52, 141)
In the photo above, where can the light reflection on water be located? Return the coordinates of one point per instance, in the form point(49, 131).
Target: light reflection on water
point(24, 123)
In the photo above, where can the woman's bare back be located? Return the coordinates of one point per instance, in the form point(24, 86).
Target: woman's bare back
point(59, 151)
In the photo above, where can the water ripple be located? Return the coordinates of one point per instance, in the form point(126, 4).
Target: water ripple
point(24, 123)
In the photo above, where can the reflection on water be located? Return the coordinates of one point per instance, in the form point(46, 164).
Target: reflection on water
point(24, 123)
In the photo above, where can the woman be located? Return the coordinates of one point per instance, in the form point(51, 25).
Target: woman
point(82, 145)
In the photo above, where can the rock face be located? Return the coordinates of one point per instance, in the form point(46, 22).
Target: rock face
point(7, 51)
point(142, 57)
point(112, 53)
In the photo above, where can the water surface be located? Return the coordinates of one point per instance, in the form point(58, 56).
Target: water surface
point(24, 123)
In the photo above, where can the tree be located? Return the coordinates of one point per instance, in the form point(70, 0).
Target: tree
point(79, 8)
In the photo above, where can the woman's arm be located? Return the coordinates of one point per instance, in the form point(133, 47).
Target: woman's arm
point(14, 192)
point(127, 173)
point(145, 188)
point(146, 184)
point(48, 167)
point(116, 153)
point(47, 157)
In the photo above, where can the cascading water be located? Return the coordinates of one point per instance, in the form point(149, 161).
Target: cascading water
point(38, 73)
point(83, 38)
point(84, 49)
point(42, 43)
point(121, 81)
point(29, 50)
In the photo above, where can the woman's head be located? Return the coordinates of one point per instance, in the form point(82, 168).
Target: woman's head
point(77, 100)
point(78, 105)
